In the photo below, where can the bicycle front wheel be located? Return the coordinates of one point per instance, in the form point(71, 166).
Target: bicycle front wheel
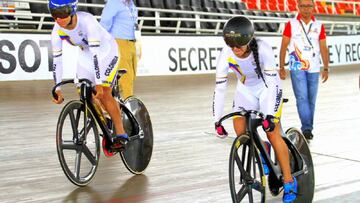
point(77, 143)
point(246, 175)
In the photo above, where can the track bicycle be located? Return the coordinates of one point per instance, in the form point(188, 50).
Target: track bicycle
point(246, 174)
point(77, 134)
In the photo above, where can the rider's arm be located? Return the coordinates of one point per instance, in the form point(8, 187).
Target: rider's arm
point(57, 57)
point(273, 93)
point(220, 85)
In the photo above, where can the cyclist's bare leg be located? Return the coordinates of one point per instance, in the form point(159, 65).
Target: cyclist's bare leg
point(99, 104)
point(281, 152)
point(239, 125)
point(113, 109)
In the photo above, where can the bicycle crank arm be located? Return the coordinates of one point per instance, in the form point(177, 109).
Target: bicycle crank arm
point(298, 173)
point(138, 136)
point(304, 170)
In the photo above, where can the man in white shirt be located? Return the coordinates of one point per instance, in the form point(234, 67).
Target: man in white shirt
point(305, 38)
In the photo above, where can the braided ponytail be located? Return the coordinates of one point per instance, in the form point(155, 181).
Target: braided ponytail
point(254, 48)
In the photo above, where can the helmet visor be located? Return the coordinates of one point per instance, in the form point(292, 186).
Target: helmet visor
point(61, 12)
point(236, 39)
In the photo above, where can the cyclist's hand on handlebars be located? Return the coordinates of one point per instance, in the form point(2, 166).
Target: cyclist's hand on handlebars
point(269, 123)
point(220, 130)
point(99, 92)
point(59, 98)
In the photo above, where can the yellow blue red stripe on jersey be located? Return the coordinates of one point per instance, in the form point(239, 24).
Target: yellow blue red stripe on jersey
point(64, 36)
point(236, 68)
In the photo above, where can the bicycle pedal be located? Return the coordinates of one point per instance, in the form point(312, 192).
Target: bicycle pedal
point(109, 152)
point(118, 147)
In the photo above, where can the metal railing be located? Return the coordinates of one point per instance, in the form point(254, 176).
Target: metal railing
point(332, 3)
point(354, 5)
point(26, 21)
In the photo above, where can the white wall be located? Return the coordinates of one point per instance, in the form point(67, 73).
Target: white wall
point(26, 56)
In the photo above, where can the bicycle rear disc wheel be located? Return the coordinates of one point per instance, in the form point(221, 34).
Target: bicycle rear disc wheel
point(137, 153)
point(306, 182)
point(78, 147)
point(246, 175)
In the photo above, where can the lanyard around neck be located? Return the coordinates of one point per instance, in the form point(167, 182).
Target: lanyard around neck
point(306, 33)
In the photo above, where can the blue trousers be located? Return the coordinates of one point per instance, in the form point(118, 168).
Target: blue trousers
point(305, 86)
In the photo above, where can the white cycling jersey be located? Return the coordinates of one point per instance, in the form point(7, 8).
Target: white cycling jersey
point(98, 50)
point(252, 92)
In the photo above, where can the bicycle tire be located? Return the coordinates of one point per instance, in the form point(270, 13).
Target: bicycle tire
point(242, 144)
point(137, 153)
point(306, 182)
point(74, 140)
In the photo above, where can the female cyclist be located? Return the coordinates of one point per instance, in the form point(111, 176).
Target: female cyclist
point(98, 56)
point(258, 88)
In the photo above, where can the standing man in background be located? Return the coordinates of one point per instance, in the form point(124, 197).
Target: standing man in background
point(305, 38)
point(119, 18)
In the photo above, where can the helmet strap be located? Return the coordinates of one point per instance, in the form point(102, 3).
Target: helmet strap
point(71, 20)
point(247, 52)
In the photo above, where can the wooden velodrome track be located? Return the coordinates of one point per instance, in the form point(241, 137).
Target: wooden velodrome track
point(188, 164)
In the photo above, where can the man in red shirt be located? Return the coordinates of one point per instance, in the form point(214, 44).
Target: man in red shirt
point(305, 38)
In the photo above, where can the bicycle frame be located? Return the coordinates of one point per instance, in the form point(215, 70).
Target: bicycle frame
point(86, 91)
point(251, 129)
